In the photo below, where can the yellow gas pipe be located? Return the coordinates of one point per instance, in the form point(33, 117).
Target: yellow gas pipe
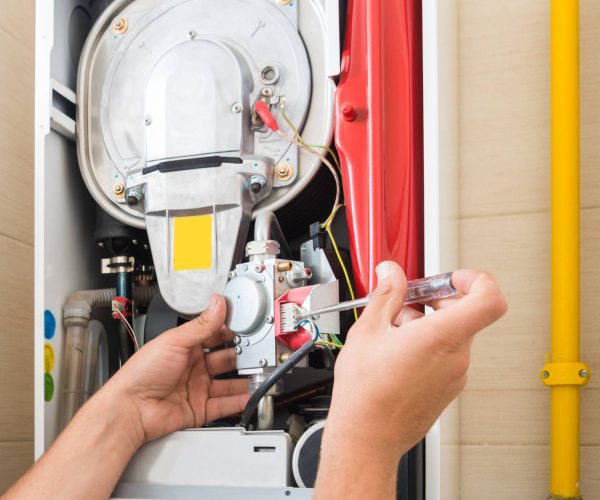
point(565, 373)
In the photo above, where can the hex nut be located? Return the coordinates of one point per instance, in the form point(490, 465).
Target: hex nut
point(119, 189)
point(284, 171)
point(120, 25)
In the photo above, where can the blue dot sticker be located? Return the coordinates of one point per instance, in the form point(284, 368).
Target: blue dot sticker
point(49, 324)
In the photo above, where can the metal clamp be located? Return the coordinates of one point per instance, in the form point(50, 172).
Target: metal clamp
point(116, 265)
point(565, 374)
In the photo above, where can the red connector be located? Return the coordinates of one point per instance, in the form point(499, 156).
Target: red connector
point(262, 110)
point(121, 304)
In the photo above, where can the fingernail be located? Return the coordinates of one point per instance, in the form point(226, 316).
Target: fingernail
point(212, 304)
point(383, 270)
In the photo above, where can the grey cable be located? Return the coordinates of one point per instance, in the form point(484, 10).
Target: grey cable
point(271, 380)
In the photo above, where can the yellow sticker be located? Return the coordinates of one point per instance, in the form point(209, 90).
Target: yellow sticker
point(192, 243)
point(48, 358)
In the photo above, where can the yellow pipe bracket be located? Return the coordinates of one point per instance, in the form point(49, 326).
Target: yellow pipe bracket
point(565, 374)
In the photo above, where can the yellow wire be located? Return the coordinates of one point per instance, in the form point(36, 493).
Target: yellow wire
point(346, 275)
point(327, 224)
point(299, 137)
point(330, 344)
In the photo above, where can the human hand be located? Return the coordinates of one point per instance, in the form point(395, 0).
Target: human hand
point(398, 371)
point(168, 385)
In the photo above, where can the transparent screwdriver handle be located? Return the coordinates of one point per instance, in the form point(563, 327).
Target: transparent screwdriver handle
point(428, 289)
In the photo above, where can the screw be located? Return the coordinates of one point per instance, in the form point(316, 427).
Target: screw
point(133, 196)
point(236, 107)
point(101, 244)
point(348, 112)
point(245, 267)
point(146, 247)
point(267, 92)
point(284, 171)
point(281, 279)
point(134, 242)
point(545, 374)
point(269, 319)
point(238, 350)
point(246, 341)
point(148, 120)
point(263, 362)
point(232, 274)
point(192, 34)
point(583, 373)
point(308, 273)
point(237, 340)
point(120, 25)
point(257, 183)
point(119, 189)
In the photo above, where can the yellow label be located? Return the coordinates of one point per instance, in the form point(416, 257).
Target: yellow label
point(192, 243)
point(48, 358)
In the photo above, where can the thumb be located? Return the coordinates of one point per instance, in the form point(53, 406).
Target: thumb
point(204, 327)
point(387, 300)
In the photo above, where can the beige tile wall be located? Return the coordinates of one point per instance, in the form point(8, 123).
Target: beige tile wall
point(16, 238)
point(505, 227)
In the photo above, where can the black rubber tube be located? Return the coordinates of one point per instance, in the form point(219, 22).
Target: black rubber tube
point(271, 380)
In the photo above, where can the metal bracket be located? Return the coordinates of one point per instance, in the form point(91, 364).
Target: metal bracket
point(565, 374)
point(59, 121)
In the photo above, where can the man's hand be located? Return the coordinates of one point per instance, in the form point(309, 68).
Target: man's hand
point(396, 374)
point(165, 387)
point(168, 386)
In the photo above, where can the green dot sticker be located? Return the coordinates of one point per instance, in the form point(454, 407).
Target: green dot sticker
point(48, 387)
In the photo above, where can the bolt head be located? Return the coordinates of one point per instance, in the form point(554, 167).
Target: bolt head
point(237, 340)
point(232, 274)
point(238, 350)
point(269, 319)
point(584, 373)
point(263, 362)
point(545, 374)
point(236, 107)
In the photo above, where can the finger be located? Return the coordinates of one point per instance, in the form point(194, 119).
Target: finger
point(222, 361)
point(219, 338)
point(224, 406)
point(228, 387)
point(482, 304)
point(205, 327)
point(387, 300)
point(407, 314)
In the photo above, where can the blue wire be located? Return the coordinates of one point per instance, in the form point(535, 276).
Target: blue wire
point(312, 324)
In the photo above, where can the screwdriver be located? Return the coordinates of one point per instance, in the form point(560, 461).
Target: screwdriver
point(418, 291)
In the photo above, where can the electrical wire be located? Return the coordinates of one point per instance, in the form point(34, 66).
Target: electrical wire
point(298, 141)
point(329, 344)
point(128, 327)
point(271, 380)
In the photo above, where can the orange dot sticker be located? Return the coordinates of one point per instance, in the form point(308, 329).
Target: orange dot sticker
point(48, 358)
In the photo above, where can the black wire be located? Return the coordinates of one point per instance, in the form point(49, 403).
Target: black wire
point(271, 380)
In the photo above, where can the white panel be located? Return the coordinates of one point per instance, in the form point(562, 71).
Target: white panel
point(442, 471)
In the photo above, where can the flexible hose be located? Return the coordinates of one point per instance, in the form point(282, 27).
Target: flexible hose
point(271, 380)
point(103, 297)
